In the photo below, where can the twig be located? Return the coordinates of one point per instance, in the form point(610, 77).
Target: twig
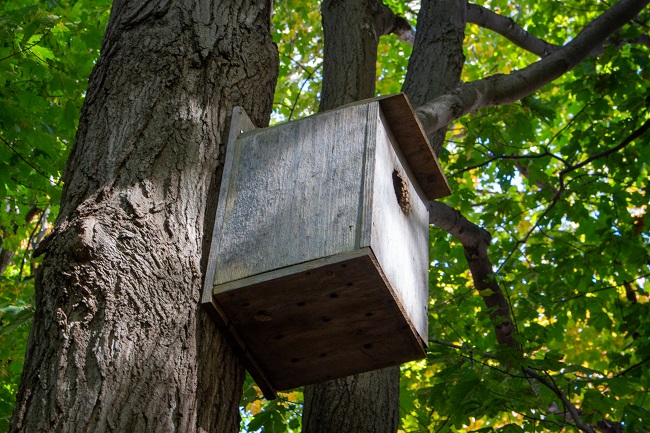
point(624, 372)
point(310, 74)
point(630, 138)
point(28, 48)
point(567, 404)
point(465, 348)
point(21, 157)
point(602, 289)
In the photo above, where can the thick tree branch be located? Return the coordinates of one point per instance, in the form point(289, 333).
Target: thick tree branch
point(437, 60)
point(573, 411)
point(506, 26)
point(504, 89)
point(642, 39)
point(475, 242)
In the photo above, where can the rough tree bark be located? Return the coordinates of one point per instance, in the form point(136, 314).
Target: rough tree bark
point(367, 402)
point(119, 341)
point(437, 59)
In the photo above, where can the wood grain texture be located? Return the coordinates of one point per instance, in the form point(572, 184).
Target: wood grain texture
point(320, 320)
point(415, 146)
point(239, 123)
point(399, 240)
point(293, 194)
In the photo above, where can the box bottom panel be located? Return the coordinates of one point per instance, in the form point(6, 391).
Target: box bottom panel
point(318, 320)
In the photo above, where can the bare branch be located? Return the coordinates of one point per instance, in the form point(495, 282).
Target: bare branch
point(475, 242)
point(463, 348)
point(23, 158)
point(575, 414)
point(508, 28)
point(629, 139)
point(505, 26)
point(504, 89)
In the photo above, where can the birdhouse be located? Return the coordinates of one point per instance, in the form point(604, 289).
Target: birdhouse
point(319, 261)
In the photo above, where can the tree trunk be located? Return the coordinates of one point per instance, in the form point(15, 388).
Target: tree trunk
point(367, 402)
point(437, 59)
point(363, 403)
point(119, 341)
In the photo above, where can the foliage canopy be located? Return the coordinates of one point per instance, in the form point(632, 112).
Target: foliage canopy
point(559, 179)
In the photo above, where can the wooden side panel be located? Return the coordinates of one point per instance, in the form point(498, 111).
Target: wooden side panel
point(400, 238)
point(320, 320)
point(239, 123)
point(294, 194)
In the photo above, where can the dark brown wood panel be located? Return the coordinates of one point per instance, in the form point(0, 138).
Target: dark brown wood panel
point(414, 145)
point(321, 323)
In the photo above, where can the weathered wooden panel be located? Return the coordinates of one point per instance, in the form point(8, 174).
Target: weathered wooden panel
point(239, 123)
point(320, 320)
point(415, 146)
point(400, 232)
point(295, 196)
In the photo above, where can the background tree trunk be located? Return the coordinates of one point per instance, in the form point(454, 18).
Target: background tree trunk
point(369, 402)
point(363, 403)
point(437, 59)
point(119, 341)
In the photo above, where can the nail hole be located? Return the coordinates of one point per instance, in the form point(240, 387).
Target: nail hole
point(369, 314)
point(301, 304)
point(325, 319)
point(367, 346)
point(294, 360)
point(333, 295)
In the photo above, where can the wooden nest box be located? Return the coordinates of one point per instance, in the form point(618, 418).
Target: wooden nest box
point(319, 261)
